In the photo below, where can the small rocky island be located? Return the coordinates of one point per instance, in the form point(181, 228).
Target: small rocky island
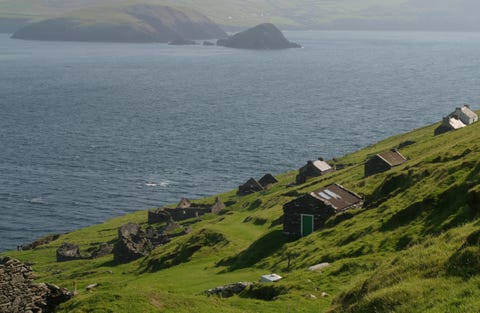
point(125, 23)
point(261, 37)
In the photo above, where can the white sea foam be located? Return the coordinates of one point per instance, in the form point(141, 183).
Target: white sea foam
point(164, 183)
point(38, 200)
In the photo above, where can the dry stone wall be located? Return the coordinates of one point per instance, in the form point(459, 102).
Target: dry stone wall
point(19, 294)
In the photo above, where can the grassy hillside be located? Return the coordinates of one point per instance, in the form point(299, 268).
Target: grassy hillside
point(347, 14)
point(125, 23)
point(414, 247)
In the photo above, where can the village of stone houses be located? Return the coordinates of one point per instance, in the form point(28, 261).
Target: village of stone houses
point(340, 235)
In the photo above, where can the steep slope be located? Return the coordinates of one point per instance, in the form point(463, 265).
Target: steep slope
point(414, 247)
point(132, 23)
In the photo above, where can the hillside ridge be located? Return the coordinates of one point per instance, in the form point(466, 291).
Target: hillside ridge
point(413, 247)
point(425, 15)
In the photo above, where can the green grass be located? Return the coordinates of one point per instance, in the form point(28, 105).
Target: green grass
point(414, 247)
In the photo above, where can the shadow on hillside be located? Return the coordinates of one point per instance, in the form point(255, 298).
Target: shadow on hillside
point(260, 249)
point(454, 206)
point(393, 185)
point(465, 262)
point(184, 252)
point(408, 215)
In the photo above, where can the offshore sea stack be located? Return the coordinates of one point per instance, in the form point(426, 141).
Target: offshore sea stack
point(261, 37)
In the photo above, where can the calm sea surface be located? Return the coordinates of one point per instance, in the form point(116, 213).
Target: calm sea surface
point(89, 131)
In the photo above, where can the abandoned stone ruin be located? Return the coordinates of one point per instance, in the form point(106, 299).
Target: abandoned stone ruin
point(252, 185)
point(134, 243)
point(70, 252)
point(185, 209)
point(18, 292)
point(312, 169)
point(461, 117)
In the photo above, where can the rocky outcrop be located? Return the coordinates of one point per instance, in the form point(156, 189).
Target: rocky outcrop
point(261, 37)
point(18, 292)
point(68, 252)
point(125, 23)
point(134, 243)
point(229, 290)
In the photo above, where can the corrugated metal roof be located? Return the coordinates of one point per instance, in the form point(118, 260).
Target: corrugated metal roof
point(455, 123)
point(467, 111)
point(337, 196)
point(322, 165)
point(324, 196)
point(392, 157)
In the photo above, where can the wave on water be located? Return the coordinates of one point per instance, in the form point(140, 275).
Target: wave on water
point(163, 183)
point(38, 200)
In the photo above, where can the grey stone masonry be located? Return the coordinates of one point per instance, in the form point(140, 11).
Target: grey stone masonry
point(19, 294)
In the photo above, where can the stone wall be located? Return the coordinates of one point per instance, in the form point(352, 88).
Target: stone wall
point(19, 294)
point(293, 210)
point(184, 210)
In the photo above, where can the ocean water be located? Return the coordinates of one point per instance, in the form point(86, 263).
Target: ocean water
point(89, 131)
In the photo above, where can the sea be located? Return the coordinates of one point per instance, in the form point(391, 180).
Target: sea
point(90, 131)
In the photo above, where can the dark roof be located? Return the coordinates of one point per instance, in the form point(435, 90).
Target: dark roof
point(253, 182)
point(392, 157)
point(267, 179)
point(320, 165)
point(337, 196)
point(251, 186)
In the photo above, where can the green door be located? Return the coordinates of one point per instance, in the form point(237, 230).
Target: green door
point(307, 224)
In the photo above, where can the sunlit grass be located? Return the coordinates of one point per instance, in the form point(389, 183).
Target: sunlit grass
point(408, 250)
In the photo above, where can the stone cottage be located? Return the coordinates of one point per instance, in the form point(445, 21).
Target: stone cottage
point(309, 213)
point(312, 169)
point(465, 114)
point(461, 117)
point(267, 180)
point(383, 162)
point(252, 185)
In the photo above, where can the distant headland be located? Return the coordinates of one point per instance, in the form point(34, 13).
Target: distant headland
point(128, 23)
